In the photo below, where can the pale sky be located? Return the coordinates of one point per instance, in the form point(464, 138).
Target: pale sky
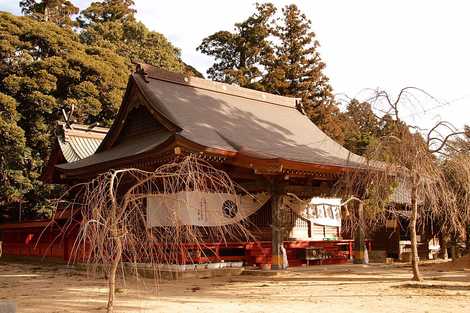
point(365, 44)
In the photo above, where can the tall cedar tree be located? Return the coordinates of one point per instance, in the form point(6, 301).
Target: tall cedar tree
point(112, 24)
point(239, 56)
point(291, 66)
point(55, 11)
point(297, 70)
point(45, 68)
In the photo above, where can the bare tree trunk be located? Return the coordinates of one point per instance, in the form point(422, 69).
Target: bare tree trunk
point(414, 241)
point(359, 238)
point(117, 247)
point(112, 275)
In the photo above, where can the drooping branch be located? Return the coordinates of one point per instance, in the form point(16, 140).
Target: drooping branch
point(409, 177)
point(110, 214)
point(443, 142)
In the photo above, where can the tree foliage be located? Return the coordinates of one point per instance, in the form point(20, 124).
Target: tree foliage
point(44, 69)
point(14, 180)
point(361, 126)
point(47, 66)
point(112, 24)
point(241, 55)
point(297, 70)
point(277, 55)
point(55, 11)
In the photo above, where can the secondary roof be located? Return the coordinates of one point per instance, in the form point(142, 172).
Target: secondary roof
point(80, 141)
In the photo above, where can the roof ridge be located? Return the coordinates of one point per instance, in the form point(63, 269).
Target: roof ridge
point(83, 130)
point(150, 71)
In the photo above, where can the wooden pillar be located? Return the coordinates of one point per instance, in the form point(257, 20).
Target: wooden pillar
point(359, 238)
point(276, 260)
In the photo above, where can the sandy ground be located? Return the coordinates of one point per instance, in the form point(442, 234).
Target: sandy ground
point(336, 288)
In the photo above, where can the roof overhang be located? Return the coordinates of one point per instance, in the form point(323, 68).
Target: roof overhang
point(177, 145)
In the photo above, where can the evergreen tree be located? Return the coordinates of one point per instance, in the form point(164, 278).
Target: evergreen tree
point(112, 24)
point(108, 11)
point(14, 181)
point(278, 56)
point(55, 11)
point(239, 56)
point(45, 68)
point(361, 126)
point(297, 70)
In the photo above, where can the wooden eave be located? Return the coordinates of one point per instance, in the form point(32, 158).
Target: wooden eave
point(275, 166)
point(155, 156)
point(166, 151)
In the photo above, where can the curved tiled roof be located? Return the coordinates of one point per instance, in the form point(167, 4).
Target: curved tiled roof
point(237, 119)
point(80, 141)
point(225, 117)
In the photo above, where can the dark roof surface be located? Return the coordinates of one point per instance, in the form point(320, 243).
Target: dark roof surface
point(230, 118)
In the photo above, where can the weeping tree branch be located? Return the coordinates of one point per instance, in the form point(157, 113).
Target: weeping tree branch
point(110, 215)
point(402, 168)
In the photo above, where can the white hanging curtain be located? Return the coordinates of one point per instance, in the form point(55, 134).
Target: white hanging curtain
point(201, 208)
point(321, 211)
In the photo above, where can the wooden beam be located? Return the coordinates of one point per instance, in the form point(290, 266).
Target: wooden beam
point(301, 190)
